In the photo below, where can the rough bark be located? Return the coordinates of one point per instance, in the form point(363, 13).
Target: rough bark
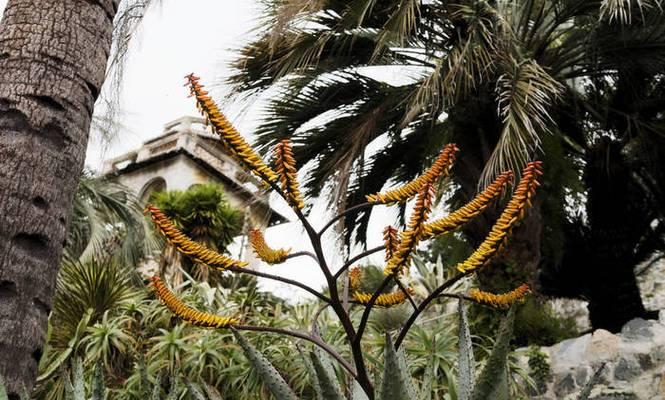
point(615, 299)
point(53, 57)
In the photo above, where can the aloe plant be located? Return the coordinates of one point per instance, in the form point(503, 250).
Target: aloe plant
point(390, 290)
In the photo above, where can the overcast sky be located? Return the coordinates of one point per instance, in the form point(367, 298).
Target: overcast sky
point(197, 36)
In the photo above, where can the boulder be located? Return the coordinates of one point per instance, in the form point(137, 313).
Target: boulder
point(629, 365)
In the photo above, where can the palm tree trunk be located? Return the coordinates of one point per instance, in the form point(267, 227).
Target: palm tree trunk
point(53, 57)
point(615, 298)
point(477, 128)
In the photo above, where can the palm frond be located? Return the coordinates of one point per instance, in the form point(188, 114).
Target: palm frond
point(108, 221)
point(400, 26)
point(524, 92)
point(458, 70)
point(621, 11)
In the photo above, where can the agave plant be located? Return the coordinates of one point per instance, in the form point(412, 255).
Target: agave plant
point(392, 291)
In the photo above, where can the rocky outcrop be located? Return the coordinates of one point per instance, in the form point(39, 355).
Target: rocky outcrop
point(629, 365)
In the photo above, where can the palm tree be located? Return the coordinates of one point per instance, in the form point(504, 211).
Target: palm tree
point(52, 66)
point(576, 83)
point(107, 221)
point(204, 214)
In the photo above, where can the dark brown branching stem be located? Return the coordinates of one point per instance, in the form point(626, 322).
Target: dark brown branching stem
point(425, 303)
point(335, 302)
point(302, 254)
point(406, 293)
point(360, 256)
point(300, 335)
point(342, 215)
point(281, 279)
point(368, 310)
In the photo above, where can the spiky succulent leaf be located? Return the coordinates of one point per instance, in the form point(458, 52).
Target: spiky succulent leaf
point(492, 382)
point(396, 384)
point(71, 346)
point(156, 390)
point(268, 374)
point(98, 385)
point(74, 383)
point(312, 373)
point(466, 377)
point(585, 393)
point(173, 388)
point(3, 391)
point(194, 391)
point(428, 379)
point(326, 376)
point(357, 392)
point(212, 393)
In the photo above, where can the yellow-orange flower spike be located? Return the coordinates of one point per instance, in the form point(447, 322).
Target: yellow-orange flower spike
point(500, 300)
point(403, 193)
point(285, 165)
point(196, 251)
point(354, 278)
point(186, 313)
point(503, 227)
point(265, 252)
point(384, 299)
point(463, 215)
point(391, 240)
point(408, 240)
point(230, 137)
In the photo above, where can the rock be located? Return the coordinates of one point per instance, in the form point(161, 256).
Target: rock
point(634, 364)
point(638, 329)
point(566, 385)
point(615, 395)
point(571, 352)
point(603, 346)
point(627, 369)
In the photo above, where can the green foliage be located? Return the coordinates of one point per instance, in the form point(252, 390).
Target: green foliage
point(97, 285)
point(266, 371)
point(493, 380)
point(3, 391)
point(326, 378)
point(107, 221)
point(536, 323)
point(539, 368)
point(396, 383)
point(203, 213)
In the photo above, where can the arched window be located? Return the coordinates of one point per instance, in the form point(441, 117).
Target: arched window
point(154, 185)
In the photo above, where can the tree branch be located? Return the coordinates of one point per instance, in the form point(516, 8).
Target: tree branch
point(316, 340)
point(281, 279)
point(362, 255)
point(426, 303)
point(344, 214)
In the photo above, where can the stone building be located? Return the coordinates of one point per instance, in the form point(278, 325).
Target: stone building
point(188, 154)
